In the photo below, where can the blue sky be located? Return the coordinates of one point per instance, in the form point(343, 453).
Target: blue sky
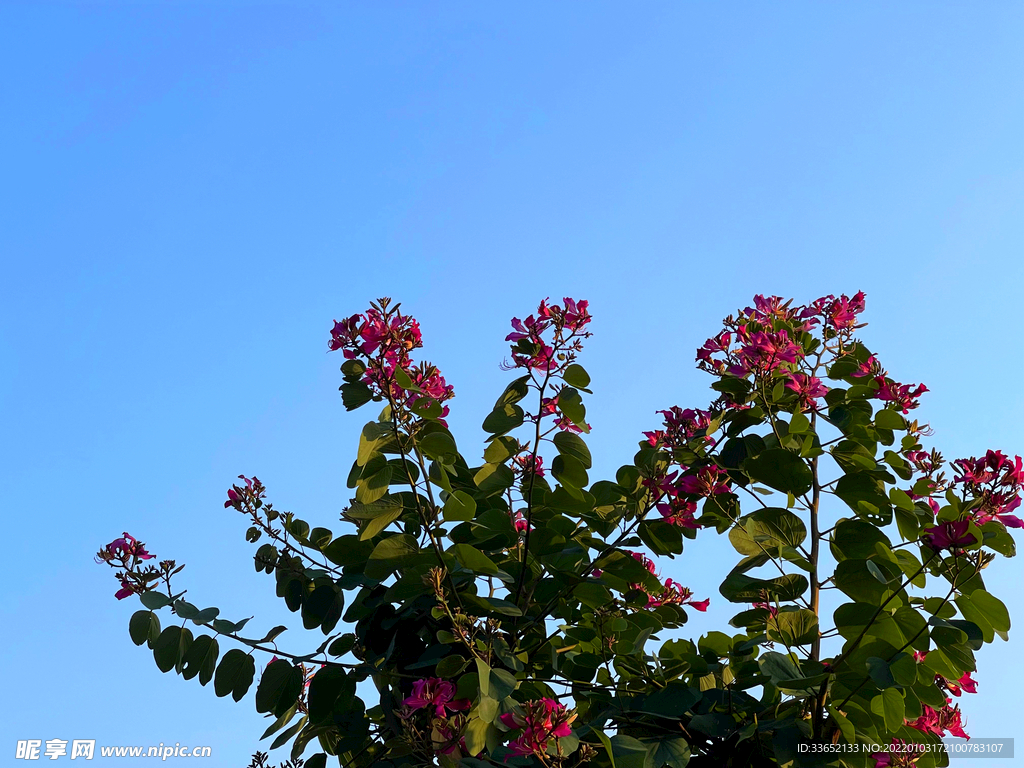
point(191, 192)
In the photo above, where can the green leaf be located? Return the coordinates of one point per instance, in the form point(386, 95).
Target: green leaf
point(865, 494)
point(348, 550)
point(569, 444)
point(571, 406)
point(492, 479)
point(143, 627)
point(779, 667)
point(514, 392)
point(779, 469)
point(673, 701)
point(459, 506)
point(889, 419)
point(854, 579)
point(845, 726)
point(856, 539)
point(569, 472)
point(740, 588)
point(325, 688)
point(575, 375)
point(391, 554)
point(629, 752)
point(473, 559)
point(475, 735)
point(342, 645)
point(503, 419)
point(439, 446)
point(901, 500)
point(369, 440)
point(279, 687)
point(201, 659)
point(234, 674)
point(374, 480)
point(767, 530)
point(323, 608)
point(501, 449)
point(852, 618)
point(890, 706)
point(355, 394)
point(502, 684)
point(154, 600)
point(668, 753)
point(798, 627)
point(880, 672)
point(992, 608)
point(170, 646)
point(663, 538)
point(607, 745)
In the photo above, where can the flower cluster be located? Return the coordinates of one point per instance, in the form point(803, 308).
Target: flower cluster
point(526, 464)
point(539, 721)
point(673, 488)
point(435, 698)
point(535, 349)
point(769, 341)
point(903, 396)
point(549, 407)
point(250, 495)
point(995, 480)
point(940, 721)
point(681, 425)
point(126, 552)
point(437, 694)
point(381, 341)
point(951, 535)
point(670, 593)
point(966, 684)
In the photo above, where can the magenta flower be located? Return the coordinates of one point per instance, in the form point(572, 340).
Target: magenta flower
point(437, 693)
point(679, 513)
point(938, 722)
point(966, 684)
point(870, 367)
point(708, 481)
point(539, 721)
point(951, 535)
point(904, 396)
point(807, 388)
point(125, 590)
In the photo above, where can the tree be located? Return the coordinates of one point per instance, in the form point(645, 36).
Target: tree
point(505, 611)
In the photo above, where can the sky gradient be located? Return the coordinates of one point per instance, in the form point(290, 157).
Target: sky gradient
point(191, 192)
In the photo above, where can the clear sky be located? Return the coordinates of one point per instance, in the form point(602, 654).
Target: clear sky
point(191, 192)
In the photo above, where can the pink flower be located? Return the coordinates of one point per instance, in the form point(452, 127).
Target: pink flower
point(707, 481)
point(680, 513)
point(644, 560)
point(436, 693)
point(520, 523)
point(870, 367)
point(966, 684)
point(807, 388)
point(772, 610)
point(951, 535)
point(539, 721)
point(938, 722)
point(124, 549)
point(904, 396)
point(842, 313)
point(765, 352)
point(126, 589)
